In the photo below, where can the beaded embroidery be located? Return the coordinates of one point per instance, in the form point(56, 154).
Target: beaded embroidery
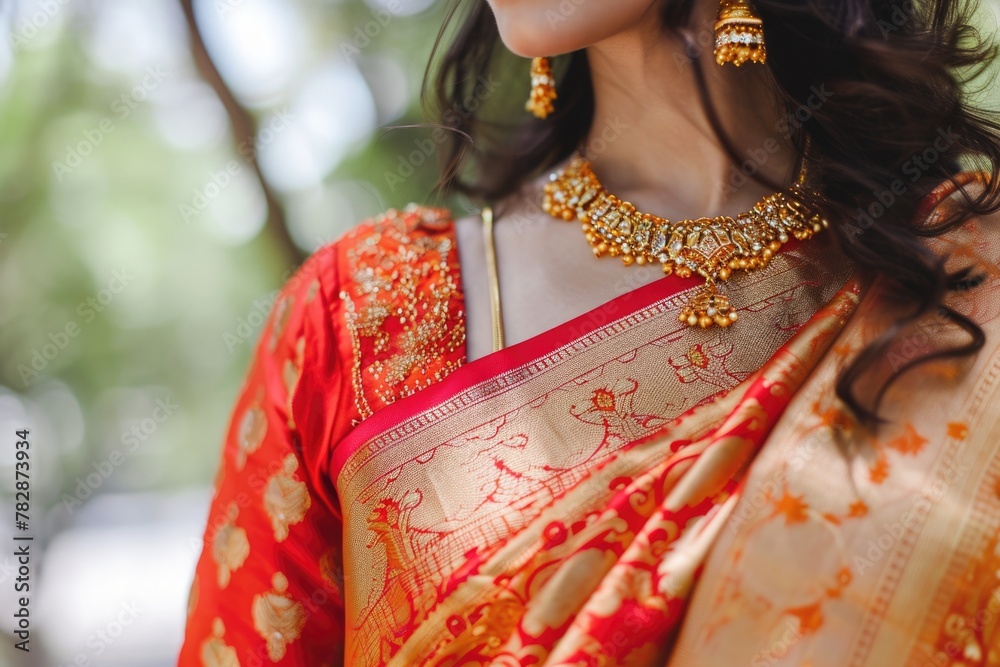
point(403, 305)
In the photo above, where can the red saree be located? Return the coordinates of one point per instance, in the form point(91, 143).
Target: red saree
point(382, 503)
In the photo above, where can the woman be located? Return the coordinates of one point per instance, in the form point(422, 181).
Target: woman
point(467, 446)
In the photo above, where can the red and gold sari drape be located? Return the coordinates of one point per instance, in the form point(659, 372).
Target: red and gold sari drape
point(621, 490)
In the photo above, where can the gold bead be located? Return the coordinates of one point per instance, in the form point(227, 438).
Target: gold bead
point(578, 183)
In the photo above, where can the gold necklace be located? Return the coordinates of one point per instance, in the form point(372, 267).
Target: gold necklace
point(713, 248)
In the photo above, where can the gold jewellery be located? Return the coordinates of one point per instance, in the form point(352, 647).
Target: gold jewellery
point(713, 248)
point(739, 38)
point(739, 34)
point(543, 88)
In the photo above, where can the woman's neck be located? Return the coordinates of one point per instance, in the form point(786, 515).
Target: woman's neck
point(652, 142)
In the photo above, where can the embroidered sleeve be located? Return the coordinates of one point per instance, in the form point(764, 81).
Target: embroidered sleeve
point(370, 319)
point(402, 305)
point(267, 588)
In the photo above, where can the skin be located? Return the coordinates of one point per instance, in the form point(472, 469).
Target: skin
point(662, 156)
point(543, 28)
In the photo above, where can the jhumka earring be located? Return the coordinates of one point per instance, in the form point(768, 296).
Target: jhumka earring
point(543, 88)
point(739, 34)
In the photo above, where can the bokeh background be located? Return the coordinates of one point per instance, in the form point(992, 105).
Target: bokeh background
point(140, 249)
point(132, 213)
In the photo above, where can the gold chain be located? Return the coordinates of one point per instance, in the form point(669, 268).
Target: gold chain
point(713, 248)
point(494, 278)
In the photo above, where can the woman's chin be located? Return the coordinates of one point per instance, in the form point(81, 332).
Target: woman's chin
point(530, 28)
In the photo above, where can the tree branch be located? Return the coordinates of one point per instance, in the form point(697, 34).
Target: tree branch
point(244, 134)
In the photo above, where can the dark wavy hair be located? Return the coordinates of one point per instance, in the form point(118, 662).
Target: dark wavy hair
point(900, 75)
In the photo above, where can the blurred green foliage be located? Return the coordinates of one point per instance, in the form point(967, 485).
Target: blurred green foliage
point(86, 355)
point(195, 282)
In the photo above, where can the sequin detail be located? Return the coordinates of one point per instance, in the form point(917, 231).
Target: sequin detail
point(403, 305)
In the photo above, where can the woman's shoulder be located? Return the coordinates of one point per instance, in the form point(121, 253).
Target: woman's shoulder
point(391, 289)
point(373, 255)
point(396, 231)
point(394, 236)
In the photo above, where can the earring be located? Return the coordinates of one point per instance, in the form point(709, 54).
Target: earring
point(543, 88)
point(739, 34)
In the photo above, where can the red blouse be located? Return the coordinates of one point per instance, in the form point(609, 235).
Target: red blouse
point(371, 318)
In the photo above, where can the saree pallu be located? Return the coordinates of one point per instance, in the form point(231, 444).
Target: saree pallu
point(558, 512)
point(620, 490)
point(853, 550)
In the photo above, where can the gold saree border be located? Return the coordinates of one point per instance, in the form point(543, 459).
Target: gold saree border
point(615, 382)
point(797, 270)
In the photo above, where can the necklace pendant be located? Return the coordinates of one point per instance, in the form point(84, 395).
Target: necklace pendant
point(709, 308)
point(711, 248)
